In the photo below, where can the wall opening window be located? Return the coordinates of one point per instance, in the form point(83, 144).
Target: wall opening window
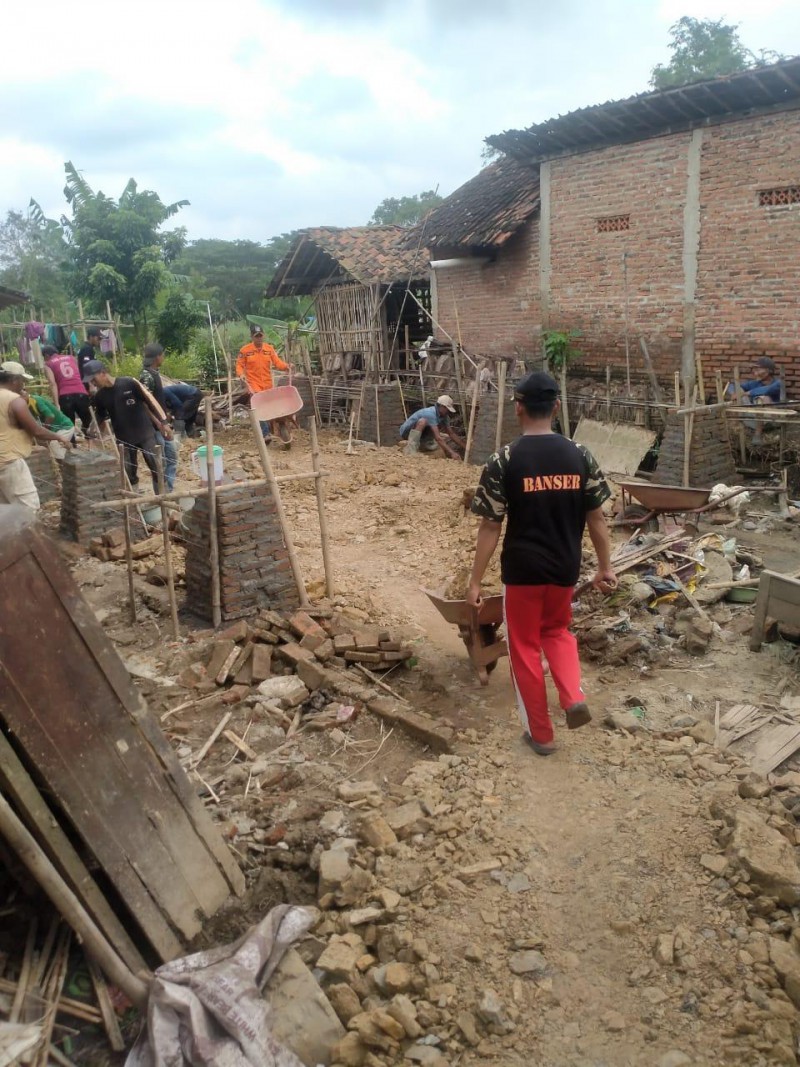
point(613, 223)
point(780, 197)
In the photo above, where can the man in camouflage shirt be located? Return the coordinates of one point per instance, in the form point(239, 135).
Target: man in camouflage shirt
point(549, 489)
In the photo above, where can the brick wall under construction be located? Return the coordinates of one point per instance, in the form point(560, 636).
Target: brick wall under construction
point(254, 565)
point(485, 429)
point(710, 457)
point(382, 413)
point(88, 478)
point(44, 472)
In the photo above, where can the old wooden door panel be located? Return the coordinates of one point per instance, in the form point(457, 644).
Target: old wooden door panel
point(66, 714)
point(119, 680)
point(16, 784)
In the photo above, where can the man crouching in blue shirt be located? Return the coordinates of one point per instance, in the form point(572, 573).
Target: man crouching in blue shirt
point(422, 430)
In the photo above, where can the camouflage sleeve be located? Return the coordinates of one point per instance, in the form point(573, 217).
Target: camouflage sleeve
point(490, 501)
point(146, 378)
point(597, 490)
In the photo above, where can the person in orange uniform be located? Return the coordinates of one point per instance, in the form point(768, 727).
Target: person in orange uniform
point(254, 367)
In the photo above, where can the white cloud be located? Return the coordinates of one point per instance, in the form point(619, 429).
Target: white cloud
point(274, 114)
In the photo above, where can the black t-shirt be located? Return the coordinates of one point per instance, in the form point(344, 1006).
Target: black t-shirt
point(85, 353)
point(544, 484)
point(124, 403)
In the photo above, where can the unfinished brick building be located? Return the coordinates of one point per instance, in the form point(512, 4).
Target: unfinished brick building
point(683, 205)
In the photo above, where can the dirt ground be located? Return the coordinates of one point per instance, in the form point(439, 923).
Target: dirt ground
point(599, 845)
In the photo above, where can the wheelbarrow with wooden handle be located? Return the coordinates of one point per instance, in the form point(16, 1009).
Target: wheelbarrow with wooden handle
point(477, 628)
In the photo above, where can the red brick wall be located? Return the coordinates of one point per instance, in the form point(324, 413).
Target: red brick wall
point(748, 291)
point(646, 181)
point(498, 302)
point(748, 285)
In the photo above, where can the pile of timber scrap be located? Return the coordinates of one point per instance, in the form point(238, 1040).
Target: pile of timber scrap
point(35, 973)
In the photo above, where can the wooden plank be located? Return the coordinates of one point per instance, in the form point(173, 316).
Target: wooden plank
point(779, 599)
point(16, 783)
point(110, 1021)
point(618, 447)
point(117, 677)
point(146, 842)
point(778, 744)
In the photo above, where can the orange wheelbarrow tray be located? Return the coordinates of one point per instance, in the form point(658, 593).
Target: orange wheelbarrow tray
point(478, 629)
point(279, 403)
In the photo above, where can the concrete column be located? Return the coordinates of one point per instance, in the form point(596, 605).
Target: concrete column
point(544, 245)
point(691, 250)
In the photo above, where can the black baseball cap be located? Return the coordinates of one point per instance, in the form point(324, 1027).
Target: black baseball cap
point(538, 385)
point(766, 363)
point(92, 367)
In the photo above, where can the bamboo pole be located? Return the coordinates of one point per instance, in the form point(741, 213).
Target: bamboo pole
point(173, 603)
point(377, 417)
point(126, 527)
point(294, 563)
point(720, 388)
point(688, 431)
point(677, 389)
point(501, 400)
point(213, 540)
point(62, 897)
point(701, 383)
point(472, 413)
point(229, 369)
point(608, 392)
point(737, 386)
point(323, 522)
point(179, 494)
point(565, 424)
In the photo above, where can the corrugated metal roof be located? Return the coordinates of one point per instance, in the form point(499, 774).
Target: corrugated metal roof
point(371, 255)
point(652, 114)
point(486, 210)
point(10, 297)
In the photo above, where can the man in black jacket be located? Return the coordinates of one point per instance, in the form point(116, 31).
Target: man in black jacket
point(135, 416)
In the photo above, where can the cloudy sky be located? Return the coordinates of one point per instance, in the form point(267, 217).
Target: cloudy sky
point(269, 115)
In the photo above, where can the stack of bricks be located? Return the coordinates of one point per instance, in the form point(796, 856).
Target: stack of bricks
point(710, 457)
point(485, 430)
point(87, 478)
point(44, 472)
point(254, 566)
point(382, 413)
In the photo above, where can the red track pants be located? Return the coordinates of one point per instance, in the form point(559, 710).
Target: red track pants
point(537, 617)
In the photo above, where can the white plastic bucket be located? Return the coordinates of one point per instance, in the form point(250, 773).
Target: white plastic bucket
point(200, 464)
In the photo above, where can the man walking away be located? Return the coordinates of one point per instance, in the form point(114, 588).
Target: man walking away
point(69, 392)
point(18, 431)
point(134, 413)
point(254, 367)
point(150, 378)
point(548, 489)
point(89, 349)
point(422, 430)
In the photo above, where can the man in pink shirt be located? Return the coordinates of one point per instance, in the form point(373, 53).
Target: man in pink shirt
point(67, 388)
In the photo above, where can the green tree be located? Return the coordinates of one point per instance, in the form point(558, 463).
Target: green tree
point(33, 254)
point(705, 48)
point(179, 320)
point(405, 210)
point(231, 275)
point(118, 251)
